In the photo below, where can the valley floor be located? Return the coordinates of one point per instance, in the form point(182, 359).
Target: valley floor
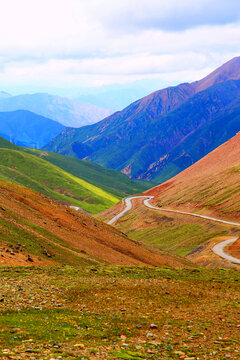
point(179, 234)
point(104, 313)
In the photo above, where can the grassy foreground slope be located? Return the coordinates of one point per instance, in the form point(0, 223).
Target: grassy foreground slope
point(112, 313)
point(65, 179)
point(35, 225)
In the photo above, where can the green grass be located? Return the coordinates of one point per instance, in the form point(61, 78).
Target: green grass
point(173, 234)
point(177, 239)
point(65, 179)
point(57, 324)
point(28, 170)
point(226, 194)
point(111, 181)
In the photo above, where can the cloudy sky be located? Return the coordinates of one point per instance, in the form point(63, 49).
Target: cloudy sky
point(70, 44)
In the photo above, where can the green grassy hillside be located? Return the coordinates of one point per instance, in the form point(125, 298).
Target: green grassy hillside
point(110, 180)
point(48, 179)
point(65, 179)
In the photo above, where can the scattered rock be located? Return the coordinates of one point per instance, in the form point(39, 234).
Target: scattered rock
point(46, 253)
point(179, 353)
point(30, 258)
point(56, 345)
point(80, 346)
point(151, 351)
point(149, 335)
point(153, 326)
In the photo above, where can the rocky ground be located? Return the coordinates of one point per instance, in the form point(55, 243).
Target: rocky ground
point(119, 313)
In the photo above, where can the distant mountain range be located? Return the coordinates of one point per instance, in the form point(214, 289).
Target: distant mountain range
point(117, 97)
point(25, 128)
point(160, 135)
point(63, 110)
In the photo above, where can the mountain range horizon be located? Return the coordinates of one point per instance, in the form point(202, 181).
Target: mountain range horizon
point(151, 139)
point(119, 180)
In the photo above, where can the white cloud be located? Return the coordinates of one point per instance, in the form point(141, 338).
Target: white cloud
point(94, 42)
point(168, 15)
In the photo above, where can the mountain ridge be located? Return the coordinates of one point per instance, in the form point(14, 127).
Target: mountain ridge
point(61, 109)
point(129, 141)
point(26, 128)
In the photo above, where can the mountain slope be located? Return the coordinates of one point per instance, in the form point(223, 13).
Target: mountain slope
point(25, 128)
point(208, 187)
point(212, 183)
point(48, 179)
point(161, 147)
point(63, 110)
point(34, 226)
point(139, 140)
point(111, 181)
point(228, 71)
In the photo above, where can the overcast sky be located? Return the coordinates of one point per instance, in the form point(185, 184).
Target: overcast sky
point(85, 43)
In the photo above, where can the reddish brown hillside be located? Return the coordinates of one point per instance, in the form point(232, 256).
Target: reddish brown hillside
point(36, 230)
point(171, 97)
point(212, 183)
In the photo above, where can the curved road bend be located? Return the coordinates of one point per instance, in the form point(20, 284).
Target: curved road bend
point(128, 207)
point(218, 249)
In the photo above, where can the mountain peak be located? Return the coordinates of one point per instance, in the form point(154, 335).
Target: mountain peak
point(228, 71)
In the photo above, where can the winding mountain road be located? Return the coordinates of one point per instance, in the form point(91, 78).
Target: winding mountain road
point(128, 207)
point(218, 249)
